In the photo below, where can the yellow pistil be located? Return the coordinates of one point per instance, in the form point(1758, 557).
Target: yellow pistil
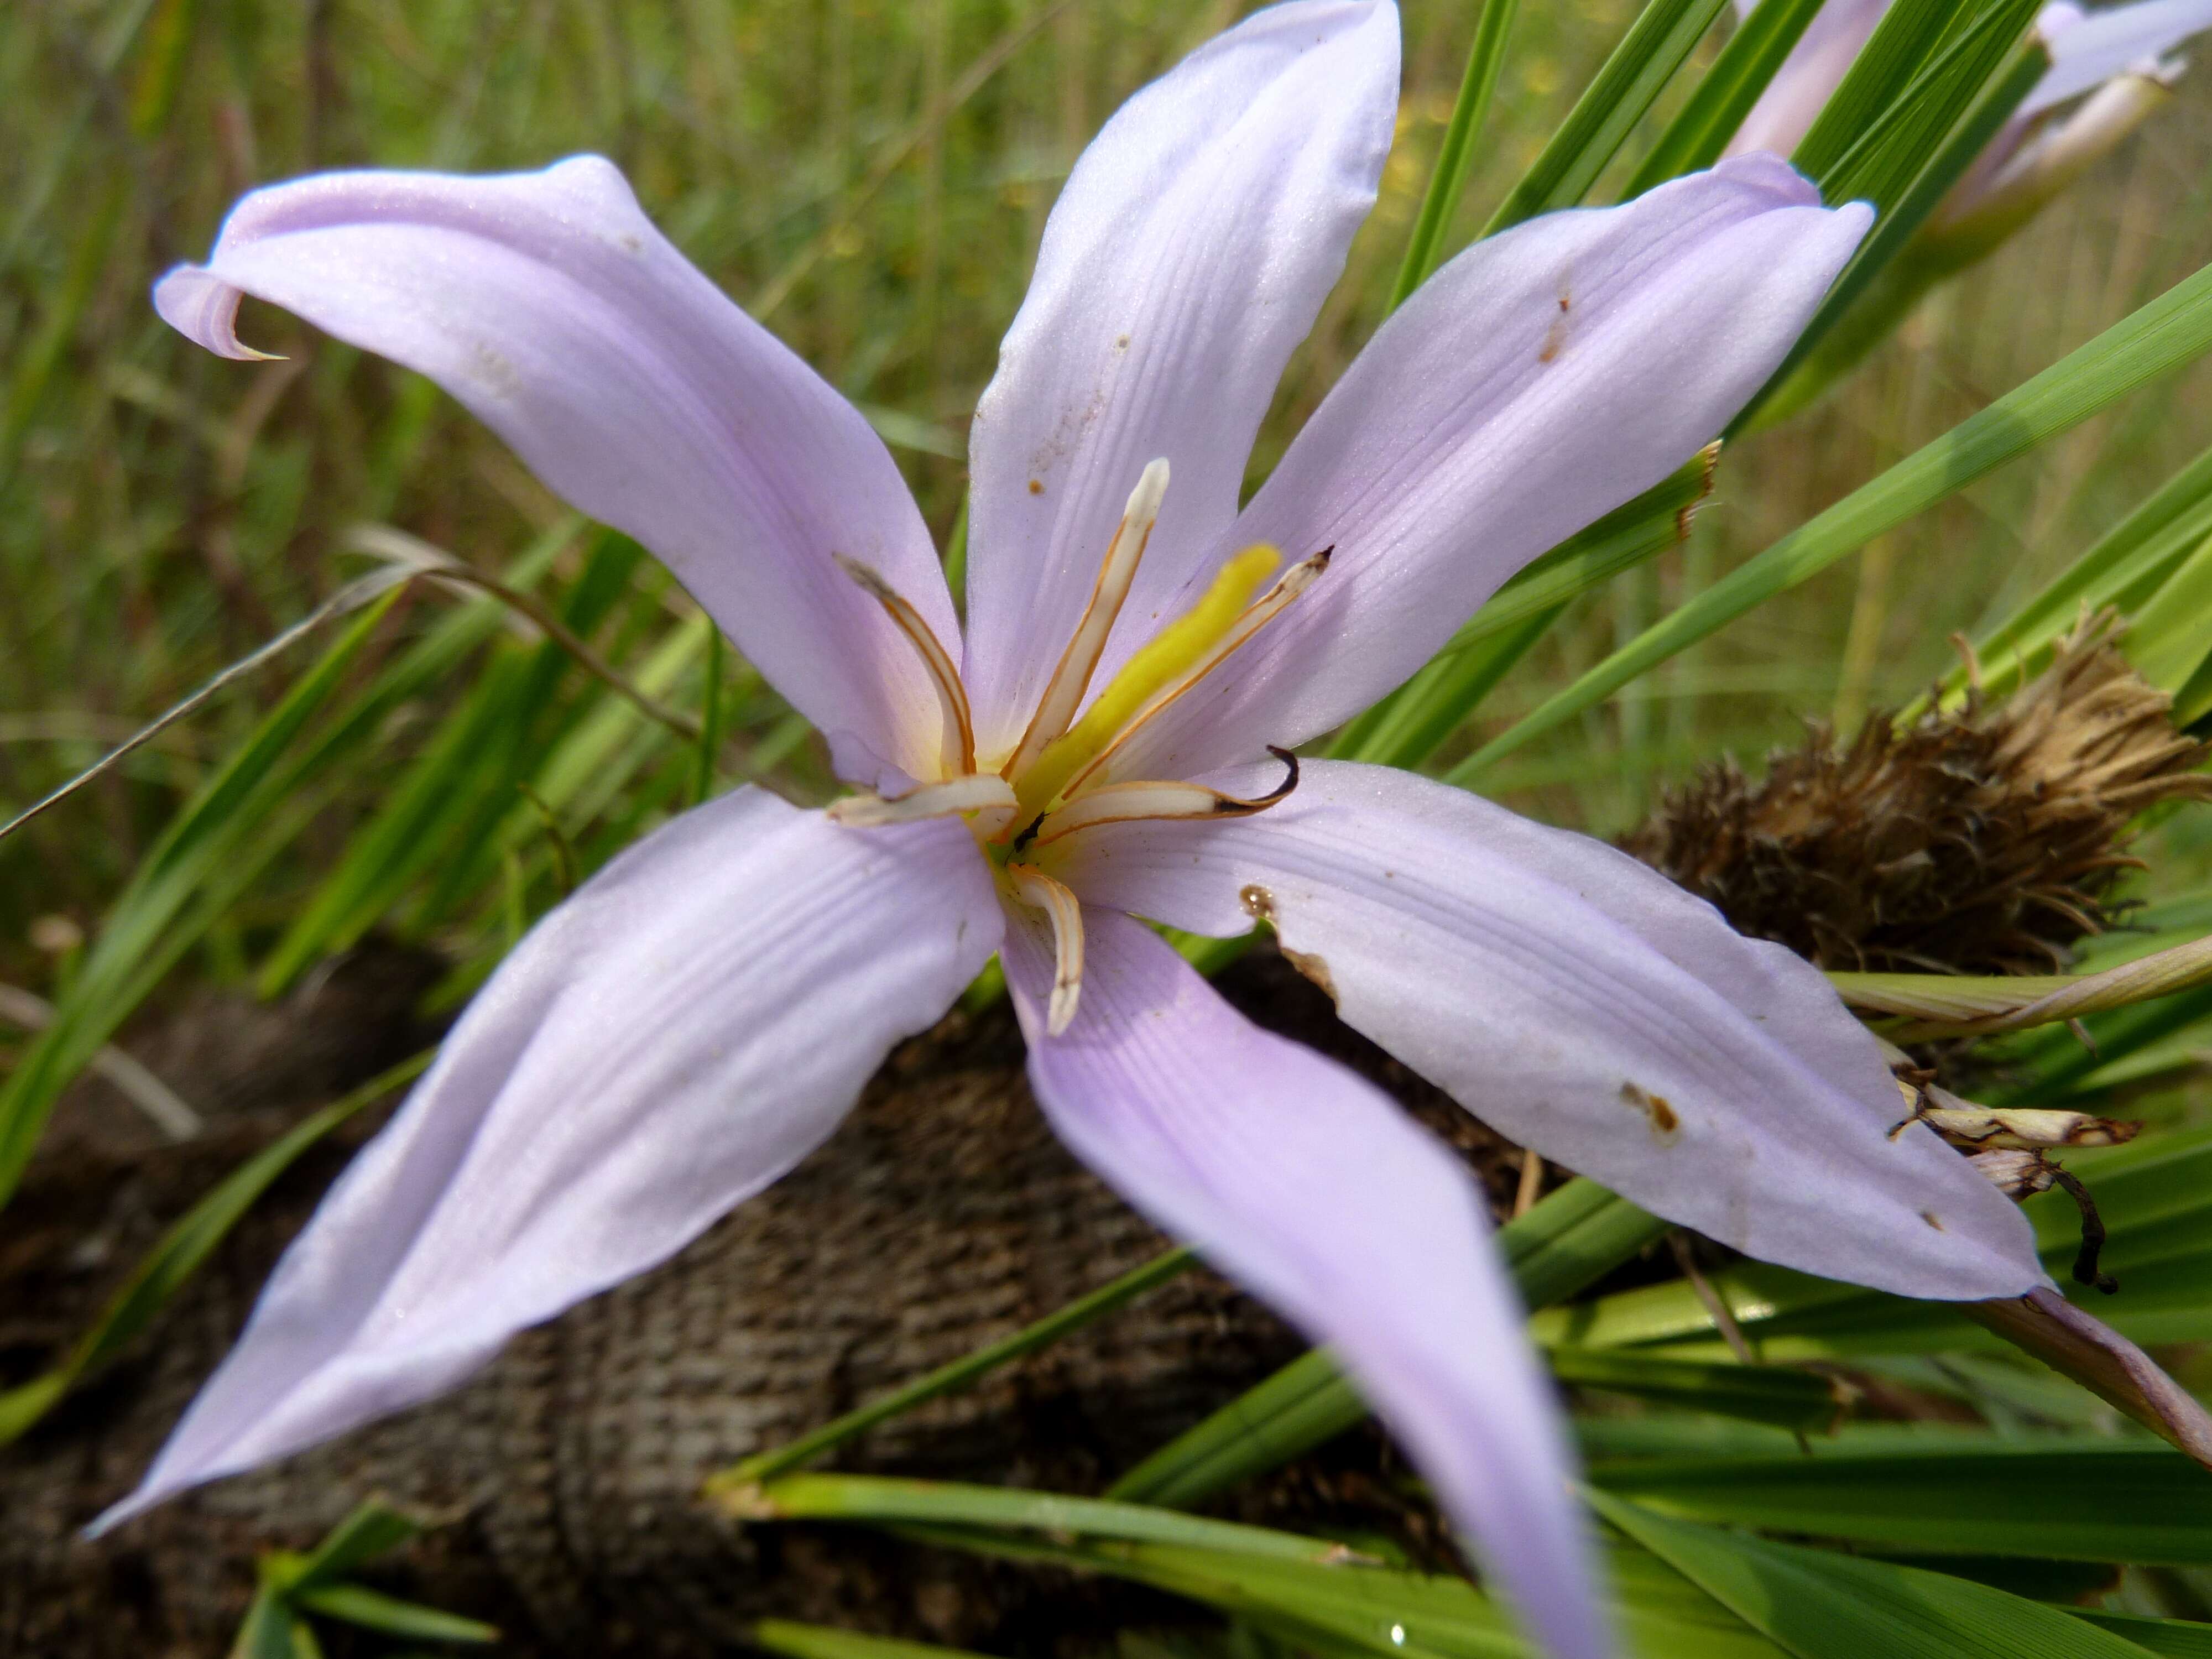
point(1170, 654)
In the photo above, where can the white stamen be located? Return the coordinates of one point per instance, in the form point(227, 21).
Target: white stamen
point(1041, 892)
point(976, 793)
point(1257, 615)
point(1063, 693)
point(1121, 803)
point(956, 746)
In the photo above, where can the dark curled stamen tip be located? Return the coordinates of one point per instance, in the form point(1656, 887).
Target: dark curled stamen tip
point(2092, 1235)
point(1288, 783)
point(1323, 558)
point(1029, 834)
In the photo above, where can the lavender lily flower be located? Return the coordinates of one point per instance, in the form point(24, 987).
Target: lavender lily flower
point(2116, 62)
point(700, 1014)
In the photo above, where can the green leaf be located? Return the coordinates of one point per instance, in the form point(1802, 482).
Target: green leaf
point(1656, 43)
point(1965, 1493)
point(1906, 201)
point(267, 1632)
point(1347, 1604)
point(372, 1529)
point(884, 1499)
point(1455, 155)
point(1823, 1606)
point(821, 1642)
point(203, 847)
point(1909, 38)
point(1759, 1394)
point(183, 1249)
point(2155, 1194)
point(1573, 1238)
point(1409, 725)
point(2173, 330)
point(959, 1373)
point(2123, 567)
point(2175, 1639)
point(1701, 129)
point(357, 1604)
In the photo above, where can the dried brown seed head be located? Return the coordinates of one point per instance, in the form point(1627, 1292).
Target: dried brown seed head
point(1985, 840)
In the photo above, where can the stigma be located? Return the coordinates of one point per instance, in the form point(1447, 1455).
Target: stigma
point(1059, 779)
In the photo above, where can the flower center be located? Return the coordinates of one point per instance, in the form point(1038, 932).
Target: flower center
point(1055, 782)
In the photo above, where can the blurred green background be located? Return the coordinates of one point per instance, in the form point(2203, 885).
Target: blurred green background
point(870, 178)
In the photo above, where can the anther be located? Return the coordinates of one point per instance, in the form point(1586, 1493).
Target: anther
point(1063, 693)
point(976, 792)
point(1261, 611)
point(1123, 803)
point(956, 744)
point(1041, 892)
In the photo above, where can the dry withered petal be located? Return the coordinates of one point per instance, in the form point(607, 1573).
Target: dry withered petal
point(1985, 840)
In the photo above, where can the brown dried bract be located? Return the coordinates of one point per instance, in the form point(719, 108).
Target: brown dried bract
point(1981, 840)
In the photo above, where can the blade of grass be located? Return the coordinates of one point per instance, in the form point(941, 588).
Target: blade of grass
point(1486, 58)
point(1820, 1605)
point(883, 1499)
point(1702, 128)
point(1083, 1311)
point(1663, 36)
point(2173, 330)
point(798, 1641)
point(1567, 1241)
point(187, 1244)
point(204, 838)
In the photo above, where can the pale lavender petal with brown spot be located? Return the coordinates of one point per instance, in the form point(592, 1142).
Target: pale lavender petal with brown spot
point(1308, 1185)
point(682, 1031)
point(1581, 1003)
point(1184, 261)
point(549, 305)
point(1539, 380)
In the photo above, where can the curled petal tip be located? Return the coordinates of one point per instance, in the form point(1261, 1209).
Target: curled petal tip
point(203, 308)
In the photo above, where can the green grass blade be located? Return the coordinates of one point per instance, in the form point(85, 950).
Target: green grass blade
point(2174, 1639)
point(1569, 1240)
point(205, 836)
point(388, 1615)
point(1656, 43)
point(1408, 727)
point(1901, 219)
point(1083, 1311)
point(885, 1500)
point(1910, 37)
point(797, 1641)
point(1486, 58)
point(1801, 1400)
point(2123, 567)
point(1967, 1492)
point(183, 1249)
point(2173, 330)
point(1702, 128)
point(1819, 1605)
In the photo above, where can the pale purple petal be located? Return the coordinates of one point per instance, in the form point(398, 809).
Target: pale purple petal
point(549, 305)
point(1811, 73)
point(666, 1044)
point(1306, 1184)
point(1589, 1009)
point(2086, 53)
point(1185, 259)
point(1539, 380)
